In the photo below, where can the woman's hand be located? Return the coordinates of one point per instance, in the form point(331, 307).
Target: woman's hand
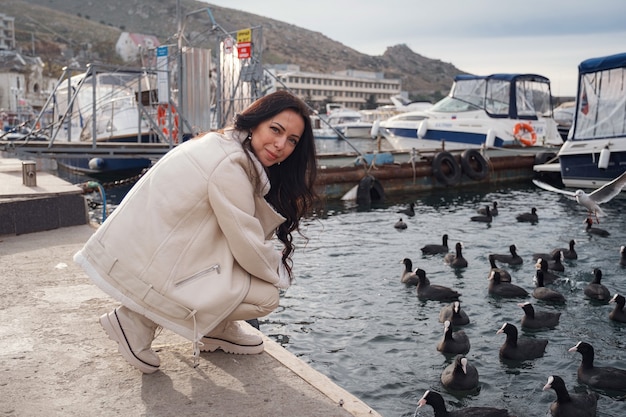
point(284, 280)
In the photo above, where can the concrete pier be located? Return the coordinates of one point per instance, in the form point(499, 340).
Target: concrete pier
point(57, 361)
point(32, 200)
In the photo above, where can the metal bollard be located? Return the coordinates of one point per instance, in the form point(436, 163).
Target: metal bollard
point(29, 173)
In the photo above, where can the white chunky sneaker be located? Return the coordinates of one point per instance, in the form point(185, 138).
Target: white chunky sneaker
point(233, 337)
point(134, 334)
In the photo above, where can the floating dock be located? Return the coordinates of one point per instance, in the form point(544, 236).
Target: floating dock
point(406, 173)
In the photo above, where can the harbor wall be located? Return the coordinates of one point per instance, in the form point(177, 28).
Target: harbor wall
point(335, 182)
point(37, 202)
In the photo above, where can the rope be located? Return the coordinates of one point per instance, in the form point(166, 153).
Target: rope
point(413, 159)
point(92, 186)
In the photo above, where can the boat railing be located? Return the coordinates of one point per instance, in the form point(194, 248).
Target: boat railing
point(56, 127)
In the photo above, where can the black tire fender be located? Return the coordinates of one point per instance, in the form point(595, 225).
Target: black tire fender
point(451, 174)
point(370, 190)
point(474, 164)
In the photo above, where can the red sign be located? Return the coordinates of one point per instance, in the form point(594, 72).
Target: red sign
point(244, 50)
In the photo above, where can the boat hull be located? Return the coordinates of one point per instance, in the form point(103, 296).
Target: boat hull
point(108, 168)
point(581, 170)
point(407, 138)
point(438, 132)
point(459, 136)
point(356, 131)
point(325, 134)
point(105, 169)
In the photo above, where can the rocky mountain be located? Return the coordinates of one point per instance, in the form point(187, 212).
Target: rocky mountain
point(58, 30)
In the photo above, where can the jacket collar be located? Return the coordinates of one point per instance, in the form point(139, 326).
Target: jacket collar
point(240, 136)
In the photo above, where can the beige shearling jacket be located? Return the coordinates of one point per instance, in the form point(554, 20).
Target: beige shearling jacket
point(182, 245)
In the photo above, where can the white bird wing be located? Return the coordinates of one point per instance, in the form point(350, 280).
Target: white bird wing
point(609, 190)
point(548, 187)
point(592, 205)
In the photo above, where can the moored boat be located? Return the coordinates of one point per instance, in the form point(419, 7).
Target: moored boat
point(107, 106)
point(595, 151)
point(345, 122)
point(564, 116)
point(497, 110)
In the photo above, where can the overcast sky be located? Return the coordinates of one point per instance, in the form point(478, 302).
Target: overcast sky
point(546, 37)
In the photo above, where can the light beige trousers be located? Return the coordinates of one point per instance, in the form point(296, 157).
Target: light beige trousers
point(261, 300)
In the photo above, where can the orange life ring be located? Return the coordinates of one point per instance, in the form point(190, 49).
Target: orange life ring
point(164, 122)
point(519, 133)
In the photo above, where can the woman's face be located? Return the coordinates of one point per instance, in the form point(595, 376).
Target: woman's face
point(275, 139)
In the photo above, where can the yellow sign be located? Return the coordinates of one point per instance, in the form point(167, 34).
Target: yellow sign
point(244, 35)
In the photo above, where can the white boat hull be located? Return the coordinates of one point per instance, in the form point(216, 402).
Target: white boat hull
point(360, 130)
point(465, 134)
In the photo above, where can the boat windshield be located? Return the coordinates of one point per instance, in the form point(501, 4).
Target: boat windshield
point(532, 98)
point(344, 119)
point(494, 94)
point(601, 106)
point(453, 105)
point(465, 95)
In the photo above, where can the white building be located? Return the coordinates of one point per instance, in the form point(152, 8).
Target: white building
point(351, 88)
point(131, 46)
point(7, 32)
point(23, 87)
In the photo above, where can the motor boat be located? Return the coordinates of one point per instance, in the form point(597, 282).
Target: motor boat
point(104, 106)
point(564, 116)
point(498, 110)
point(595, 150)
point(349, 123)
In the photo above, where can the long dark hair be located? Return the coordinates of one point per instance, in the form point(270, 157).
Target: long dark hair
point(292, 181)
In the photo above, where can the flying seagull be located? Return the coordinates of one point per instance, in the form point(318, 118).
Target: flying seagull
point(592, 200)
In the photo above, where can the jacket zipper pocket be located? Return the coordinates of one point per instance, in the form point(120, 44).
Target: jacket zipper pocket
point(212, 268)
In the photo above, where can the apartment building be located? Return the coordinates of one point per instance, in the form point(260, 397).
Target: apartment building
point(7, 32)
point(352, 89)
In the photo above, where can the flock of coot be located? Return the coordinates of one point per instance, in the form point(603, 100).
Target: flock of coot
point(462, 375)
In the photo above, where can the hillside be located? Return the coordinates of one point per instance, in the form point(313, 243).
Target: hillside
point(60, 29)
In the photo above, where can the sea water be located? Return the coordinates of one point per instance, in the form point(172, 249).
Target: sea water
point(349, 317)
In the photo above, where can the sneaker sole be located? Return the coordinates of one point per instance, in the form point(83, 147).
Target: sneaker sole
point(211, 345)
point(111, 326)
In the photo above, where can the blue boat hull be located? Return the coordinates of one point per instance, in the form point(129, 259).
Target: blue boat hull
point(109, 169)
point(583, 168)
point(465, 138)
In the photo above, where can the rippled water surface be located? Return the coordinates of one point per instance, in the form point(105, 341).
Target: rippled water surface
point(350, 318)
